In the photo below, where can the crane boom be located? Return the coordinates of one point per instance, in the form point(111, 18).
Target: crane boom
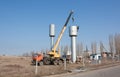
point(61, 33)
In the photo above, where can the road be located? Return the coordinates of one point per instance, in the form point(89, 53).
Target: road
point(106, 72)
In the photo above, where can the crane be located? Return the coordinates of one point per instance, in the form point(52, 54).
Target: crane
point(53, 57)
point(53, 52)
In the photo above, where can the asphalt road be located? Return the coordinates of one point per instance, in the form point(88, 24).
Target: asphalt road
point(106, 72)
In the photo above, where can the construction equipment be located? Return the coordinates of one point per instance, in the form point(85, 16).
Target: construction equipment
point(37, 57)
point(54, 57)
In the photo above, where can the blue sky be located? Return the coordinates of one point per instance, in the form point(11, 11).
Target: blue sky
point(24, 24)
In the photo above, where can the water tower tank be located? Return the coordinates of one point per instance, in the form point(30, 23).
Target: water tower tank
point(52, 30)
point(73, 31)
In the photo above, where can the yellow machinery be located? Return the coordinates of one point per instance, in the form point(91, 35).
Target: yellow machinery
point(54, 56)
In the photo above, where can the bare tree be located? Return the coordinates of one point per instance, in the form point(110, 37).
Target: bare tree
point(86, 54)
point(32, 53)
point(79, 49)
point(62, 50)
point(93, 47)
point(111, 44)
point(101, 47)
point(65, 49)
point(117, 43)
point(26, 54)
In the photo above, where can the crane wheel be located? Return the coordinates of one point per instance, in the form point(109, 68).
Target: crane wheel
point(46, 61)
point(60, 62)
point(55, 62)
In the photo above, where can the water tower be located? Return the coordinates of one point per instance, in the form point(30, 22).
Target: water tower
point(73, 34)
point(52, 34)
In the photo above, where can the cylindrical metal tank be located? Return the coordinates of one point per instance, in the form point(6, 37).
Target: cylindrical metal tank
point(73, 34)
point(52, 34)
point(73, 30)
point(52, 30)
point(73, 48)
point(52, 42)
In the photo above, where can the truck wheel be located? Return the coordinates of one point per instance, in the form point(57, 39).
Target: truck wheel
point(41, 63)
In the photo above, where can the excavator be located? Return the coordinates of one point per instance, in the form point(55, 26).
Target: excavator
point(52, 57)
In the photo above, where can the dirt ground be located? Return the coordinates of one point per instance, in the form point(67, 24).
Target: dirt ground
point(14, 66)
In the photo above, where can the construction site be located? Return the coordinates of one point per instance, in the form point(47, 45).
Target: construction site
point(54, 63)
point(59, 38)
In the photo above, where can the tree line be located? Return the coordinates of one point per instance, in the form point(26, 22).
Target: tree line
point(114, 47)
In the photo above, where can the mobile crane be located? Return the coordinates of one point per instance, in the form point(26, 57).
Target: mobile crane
point(53, 57)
